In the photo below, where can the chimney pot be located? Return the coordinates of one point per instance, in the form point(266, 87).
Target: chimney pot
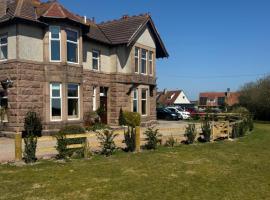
point(125, 17)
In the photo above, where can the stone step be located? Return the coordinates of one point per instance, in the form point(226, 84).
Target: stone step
point(7, 134)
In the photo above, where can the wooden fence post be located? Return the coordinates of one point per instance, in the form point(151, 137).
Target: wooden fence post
point(138, 138)
point(18, 147)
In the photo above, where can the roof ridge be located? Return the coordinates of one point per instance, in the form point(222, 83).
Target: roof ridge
point(123, 18)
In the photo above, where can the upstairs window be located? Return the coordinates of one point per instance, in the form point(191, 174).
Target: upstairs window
point(143, 61)
point(150, 61)
point(72, 46)
point(73, 101)
point(3, 47)
point(56, 101)
point(144, 102)
point(55, 43)
point(95, 60)
point(137, 53)
point(135, 100)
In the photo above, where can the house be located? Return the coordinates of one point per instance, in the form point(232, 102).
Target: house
point(218, 99)
point(169, 98)
point(63, 65)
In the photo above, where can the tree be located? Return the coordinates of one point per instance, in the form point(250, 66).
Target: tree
point(255, 96)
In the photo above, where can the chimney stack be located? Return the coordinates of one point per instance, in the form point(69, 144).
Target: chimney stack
point(125, 17)
point(3, 7)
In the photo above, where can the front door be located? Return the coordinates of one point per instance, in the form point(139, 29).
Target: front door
point(104, 105)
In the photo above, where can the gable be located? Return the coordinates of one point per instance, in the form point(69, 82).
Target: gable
point(182, 99)
point(146, 39)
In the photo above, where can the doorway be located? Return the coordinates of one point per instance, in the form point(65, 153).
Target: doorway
point(104, 104)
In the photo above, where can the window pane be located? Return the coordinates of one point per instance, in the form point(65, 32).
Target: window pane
point(55, 32)
point(73, 106)
point(95, 64)
point(150, 55)
point(72, 35)
point(72, 52)
point(56, 107)
point(135, 106)
point(3, 52)
point(55, 50)
point(143, 94)
point(144, 53)
point(3, 40)
point(143, 107)
point(143, 69)
point(150, 67)
point(73, 90)
point(95, 54)
point(136, 65)
point(136, 52)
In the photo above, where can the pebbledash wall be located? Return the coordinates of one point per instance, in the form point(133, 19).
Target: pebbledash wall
point(31, 72)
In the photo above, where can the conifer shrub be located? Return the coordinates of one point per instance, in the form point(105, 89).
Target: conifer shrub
point(190, 133)
point(106, 140)
point(152, 138)
point(32, 130)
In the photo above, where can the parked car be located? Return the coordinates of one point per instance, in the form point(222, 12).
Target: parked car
point(194, 112)
point(180, 111)
point(163, 113)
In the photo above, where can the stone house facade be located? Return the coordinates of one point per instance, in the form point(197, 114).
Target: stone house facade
point(63, 65)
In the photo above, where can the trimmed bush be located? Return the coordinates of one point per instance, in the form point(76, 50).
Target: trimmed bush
point(107, 144)
point(152, 138)
point(190, 133)
point(63, 142)
point(97, 126)
point(132, 119)
point(32, 129)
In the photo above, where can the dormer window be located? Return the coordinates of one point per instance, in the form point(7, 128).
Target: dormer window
point(3, 47)
point(96, 60)
point(55, 44)
point(72, 46)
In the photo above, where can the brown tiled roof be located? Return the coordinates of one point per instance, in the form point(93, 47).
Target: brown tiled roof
point(232, 97)
point(212, 95)
point(164, 98)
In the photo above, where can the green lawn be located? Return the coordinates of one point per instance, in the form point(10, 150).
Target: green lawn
point(222, 170)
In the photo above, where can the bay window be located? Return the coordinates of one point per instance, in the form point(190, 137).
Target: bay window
point(56, 101)
point(137, 53)
point(3, 47)
point(73, 101)
point(150, 62)
point(143, 61)
point(95, 60)
point(135, 100)
point(55, 44)
point(144, 101)
point(72, 46)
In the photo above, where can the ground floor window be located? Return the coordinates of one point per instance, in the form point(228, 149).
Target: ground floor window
point(73, 101)
point(144, 101)
point(94, 98)
point(3, 107)
point(135, 100)
point(56, 101)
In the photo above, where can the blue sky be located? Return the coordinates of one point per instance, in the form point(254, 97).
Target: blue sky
point(213, 44)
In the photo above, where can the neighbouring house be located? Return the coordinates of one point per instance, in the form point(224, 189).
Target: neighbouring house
point(218, 99)
point(169, 98)
point(63, 65)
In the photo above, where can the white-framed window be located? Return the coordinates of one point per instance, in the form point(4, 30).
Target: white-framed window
point(73, 101)
point(150, 62)
point(72, 46)
point(3, 47)
point(144, 61)
point(55, 44)
point(137, 59)
point(95, 60)
point(144, 102)
point(56, 101)
point(135, 100)
point(94, 98)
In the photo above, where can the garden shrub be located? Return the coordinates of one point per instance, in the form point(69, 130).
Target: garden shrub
point(106, 139)
point(97, 126)
point(91, 118)
point(152, 138)
point(171, 142)
point(63, 142)
point(206, 130)
point(32, 129)
point(191, 133)
point(129, 139)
